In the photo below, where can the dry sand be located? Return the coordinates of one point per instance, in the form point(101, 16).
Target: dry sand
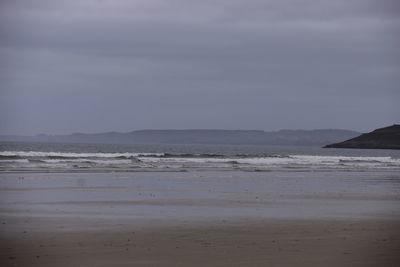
point(218, 219)
point(219, 243)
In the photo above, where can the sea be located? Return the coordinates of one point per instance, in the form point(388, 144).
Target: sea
point(67, 157)
point(193, 183)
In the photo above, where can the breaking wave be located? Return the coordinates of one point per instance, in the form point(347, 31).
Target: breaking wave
point(32, 160)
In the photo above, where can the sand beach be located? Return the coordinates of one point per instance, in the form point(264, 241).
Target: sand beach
point(200, 219)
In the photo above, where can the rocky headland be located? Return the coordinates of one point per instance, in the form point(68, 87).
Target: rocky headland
point(382, 138)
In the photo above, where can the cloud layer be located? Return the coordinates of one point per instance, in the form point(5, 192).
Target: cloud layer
point(122, 65)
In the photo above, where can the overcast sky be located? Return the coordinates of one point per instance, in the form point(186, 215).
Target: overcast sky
point(115, 65)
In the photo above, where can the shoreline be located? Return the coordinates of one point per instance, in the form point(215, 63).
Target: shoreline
point(194, 170)
point(195, 219)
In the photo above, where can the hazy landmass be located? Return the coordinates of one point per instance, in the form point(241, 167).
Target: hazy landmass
point(232, 137)
point(382, 138)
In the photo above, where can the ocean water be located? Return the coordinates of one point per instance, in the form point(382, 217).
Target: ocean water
point(50, 157)
point(184, 183)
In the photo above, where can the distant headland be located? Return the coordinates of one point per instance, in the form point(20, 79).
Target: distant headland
point(382, 138)
point(213, 137)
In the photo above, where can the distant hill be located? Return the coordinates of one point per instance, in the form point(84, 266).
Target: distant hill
point(383, 138)
point(233, 137)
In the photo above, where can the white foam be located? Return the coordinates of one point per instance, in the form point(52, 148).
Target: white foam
point(149, 160)
point(73, 155)
point(292, 160)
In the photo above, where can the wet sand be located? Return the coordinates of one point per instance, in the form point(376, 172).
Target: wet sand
point(218, 243)
point(200, 219)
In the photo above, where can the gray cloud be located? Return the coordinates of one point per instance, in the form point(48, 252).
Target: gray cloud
point(121, 65)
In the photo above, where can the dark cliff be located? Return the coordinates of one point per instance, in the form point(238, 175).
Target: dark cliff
point(383, 138)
